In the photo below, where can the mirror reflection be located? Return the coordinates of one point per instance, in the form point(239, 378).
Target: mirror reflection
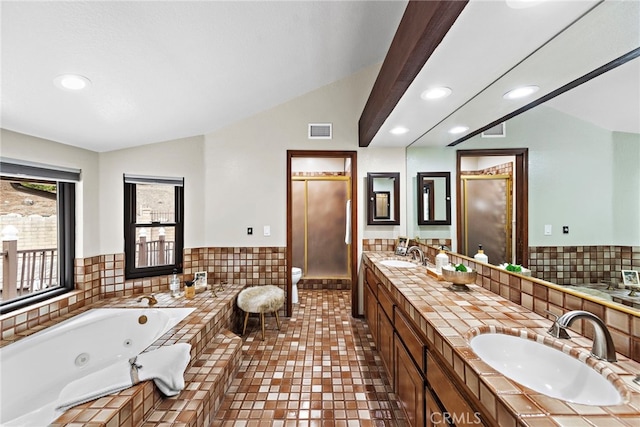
point(583, 175)
point(434, 198)
point(383, 196)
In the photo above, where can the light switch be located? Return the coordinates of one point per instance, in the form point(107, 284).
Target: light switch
point(547, 230)
point(267, 230)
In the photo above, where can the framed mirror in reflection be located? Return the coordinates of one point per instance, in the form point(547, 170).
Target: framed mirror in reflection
point(383, 195)
point(434, 198)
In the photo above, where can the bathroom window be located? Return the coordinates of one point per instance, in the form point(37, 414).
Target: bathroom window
point(37, 221)
point(153, 219)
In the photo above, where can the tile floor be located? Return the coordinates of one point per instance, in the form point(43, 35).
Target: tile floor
point(320, 369)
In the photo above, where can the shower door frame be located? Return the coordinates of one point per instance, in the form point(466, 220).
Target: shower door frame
point(521, 196)
point(349, 196)
point(353, 252)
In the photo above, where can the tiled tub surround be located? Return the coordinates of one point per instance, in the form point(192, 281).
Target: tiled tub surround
point(215, 359)
point(446, 319)
point(102, 276)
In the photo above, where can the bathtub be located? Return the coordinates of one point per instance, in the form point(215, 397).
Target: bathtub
point(36, 368)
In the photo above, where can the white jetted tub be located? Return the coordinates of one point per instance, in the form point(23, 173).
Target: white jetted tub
point(36, 368)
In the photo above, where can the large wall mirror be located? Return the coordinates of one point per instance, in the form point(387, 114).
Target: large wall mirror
point(383, 196)
point(434, 198)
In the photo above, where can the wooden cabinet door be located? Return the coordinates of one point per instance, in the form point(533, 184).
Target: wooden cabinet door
point(385, 347)
point(371, 312)
point(435, 415)
point(410, 386)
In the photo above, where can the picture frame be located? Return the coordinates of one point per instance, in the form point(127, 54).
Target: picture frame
point(630, 278)
point(200, 277)
point(401, 245)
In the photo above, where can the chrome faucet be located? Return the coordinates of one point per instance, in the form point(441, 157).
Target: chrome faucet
point(603, 347)
point(412, 250)
point(152, 300)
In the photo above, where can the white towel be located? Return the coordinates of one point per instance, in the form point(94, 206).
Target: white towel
point(165, 366)
point(347, 233)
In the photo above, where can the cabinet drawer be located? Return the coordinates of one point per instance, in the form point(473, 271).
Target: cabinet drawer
point(372, 280)
point(445, 390)
point(411, 340)
point(384, 298)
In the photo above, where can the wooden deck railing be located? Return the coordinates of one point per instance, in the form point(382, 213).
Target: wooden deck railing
point(28, 271)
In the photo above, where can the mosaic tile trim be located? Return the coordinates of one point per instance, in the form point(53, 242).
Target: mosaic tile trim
point(330, 284)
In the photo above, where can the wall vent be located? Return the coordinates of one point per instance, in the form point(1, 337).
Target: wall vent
point(498, 131)
point(320, 131)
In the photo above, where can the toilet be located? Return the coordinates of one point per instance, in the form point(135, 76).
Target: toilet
point(296, 274)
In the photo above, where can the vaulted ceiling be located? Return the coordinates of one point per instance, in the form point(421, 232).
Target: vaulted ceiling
point(493, 47)
point(164, 70)
point(161, 70)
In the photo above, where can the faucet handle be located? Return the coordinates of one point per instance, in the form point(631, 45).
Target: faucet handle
point(556, 330)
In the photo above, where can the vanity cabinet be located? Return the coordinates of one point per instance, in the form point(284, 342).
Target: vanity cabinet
point(409, 385)
point(371, 305)
point(456, 407)
point(385, 335)
point(427, 391)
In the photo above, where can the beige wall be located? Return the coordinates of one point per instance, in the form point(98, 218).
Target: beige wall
point(234, 178)
point(177, 158)
point(88, 216)
point(246, 163)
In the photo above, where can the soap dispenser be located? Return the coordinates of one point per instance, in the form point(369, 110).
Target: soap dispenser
point(174, 284)
point(481, 256)
point(441, 260)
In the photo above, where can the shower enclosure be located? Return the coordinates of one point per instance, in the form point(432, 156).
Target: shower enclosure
point(320, 241)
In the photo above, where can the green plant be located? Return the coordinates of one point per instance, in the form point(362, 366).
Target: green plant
point(515, 268)
point(461, 267)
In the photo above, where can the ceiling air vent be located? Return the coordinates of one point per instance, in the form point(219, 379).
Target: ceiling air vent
point(498, 131)
point(320, 131)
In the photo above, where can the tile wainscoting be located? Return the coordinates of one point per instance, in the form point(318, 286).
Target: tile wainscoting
point(572, 265)
point(102, 276)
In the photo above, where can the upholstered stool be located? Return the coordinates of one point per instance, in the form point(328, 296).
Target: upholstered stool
point(261, 299)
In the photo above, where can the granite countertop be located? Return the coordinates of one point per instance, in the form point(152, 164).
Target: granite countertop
point(450, 319)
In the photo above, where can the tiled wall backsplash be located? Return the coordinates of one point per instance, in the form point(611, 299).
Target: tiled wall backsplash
point(102, 276)
point(571, 265)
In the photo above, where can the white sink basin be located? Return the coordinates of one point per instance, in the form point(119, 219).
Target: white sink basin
point(545, 369)
point(397, 263)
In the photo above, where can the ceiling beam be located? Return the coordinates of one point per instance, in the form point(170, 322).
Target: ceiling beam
point(422, 28)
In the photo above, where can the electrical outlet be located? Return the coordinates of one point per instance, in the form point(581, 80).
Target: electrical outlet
point(249, 231)
point(565, 229)
point(267, 230)
point(547, 230)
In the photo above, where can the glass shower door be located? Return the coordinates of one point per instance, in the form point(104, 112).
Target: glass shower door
point(319, 226)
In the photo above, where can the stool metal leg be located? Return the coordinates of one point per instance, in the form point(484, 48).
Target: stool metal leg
point(262, 323)
point(246, 319)
point(277, 319)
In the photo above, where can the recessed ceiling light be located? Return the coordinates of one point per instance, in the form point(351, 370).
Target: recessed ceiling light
point(523, 4)
point(71, 82)
point(436, 93)
point(399, 130)
point(458, 129)
point(520, 92)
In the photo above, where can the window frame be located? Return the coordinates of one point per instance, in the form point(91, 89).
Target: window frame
point(130, 227)
point(66, 244)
